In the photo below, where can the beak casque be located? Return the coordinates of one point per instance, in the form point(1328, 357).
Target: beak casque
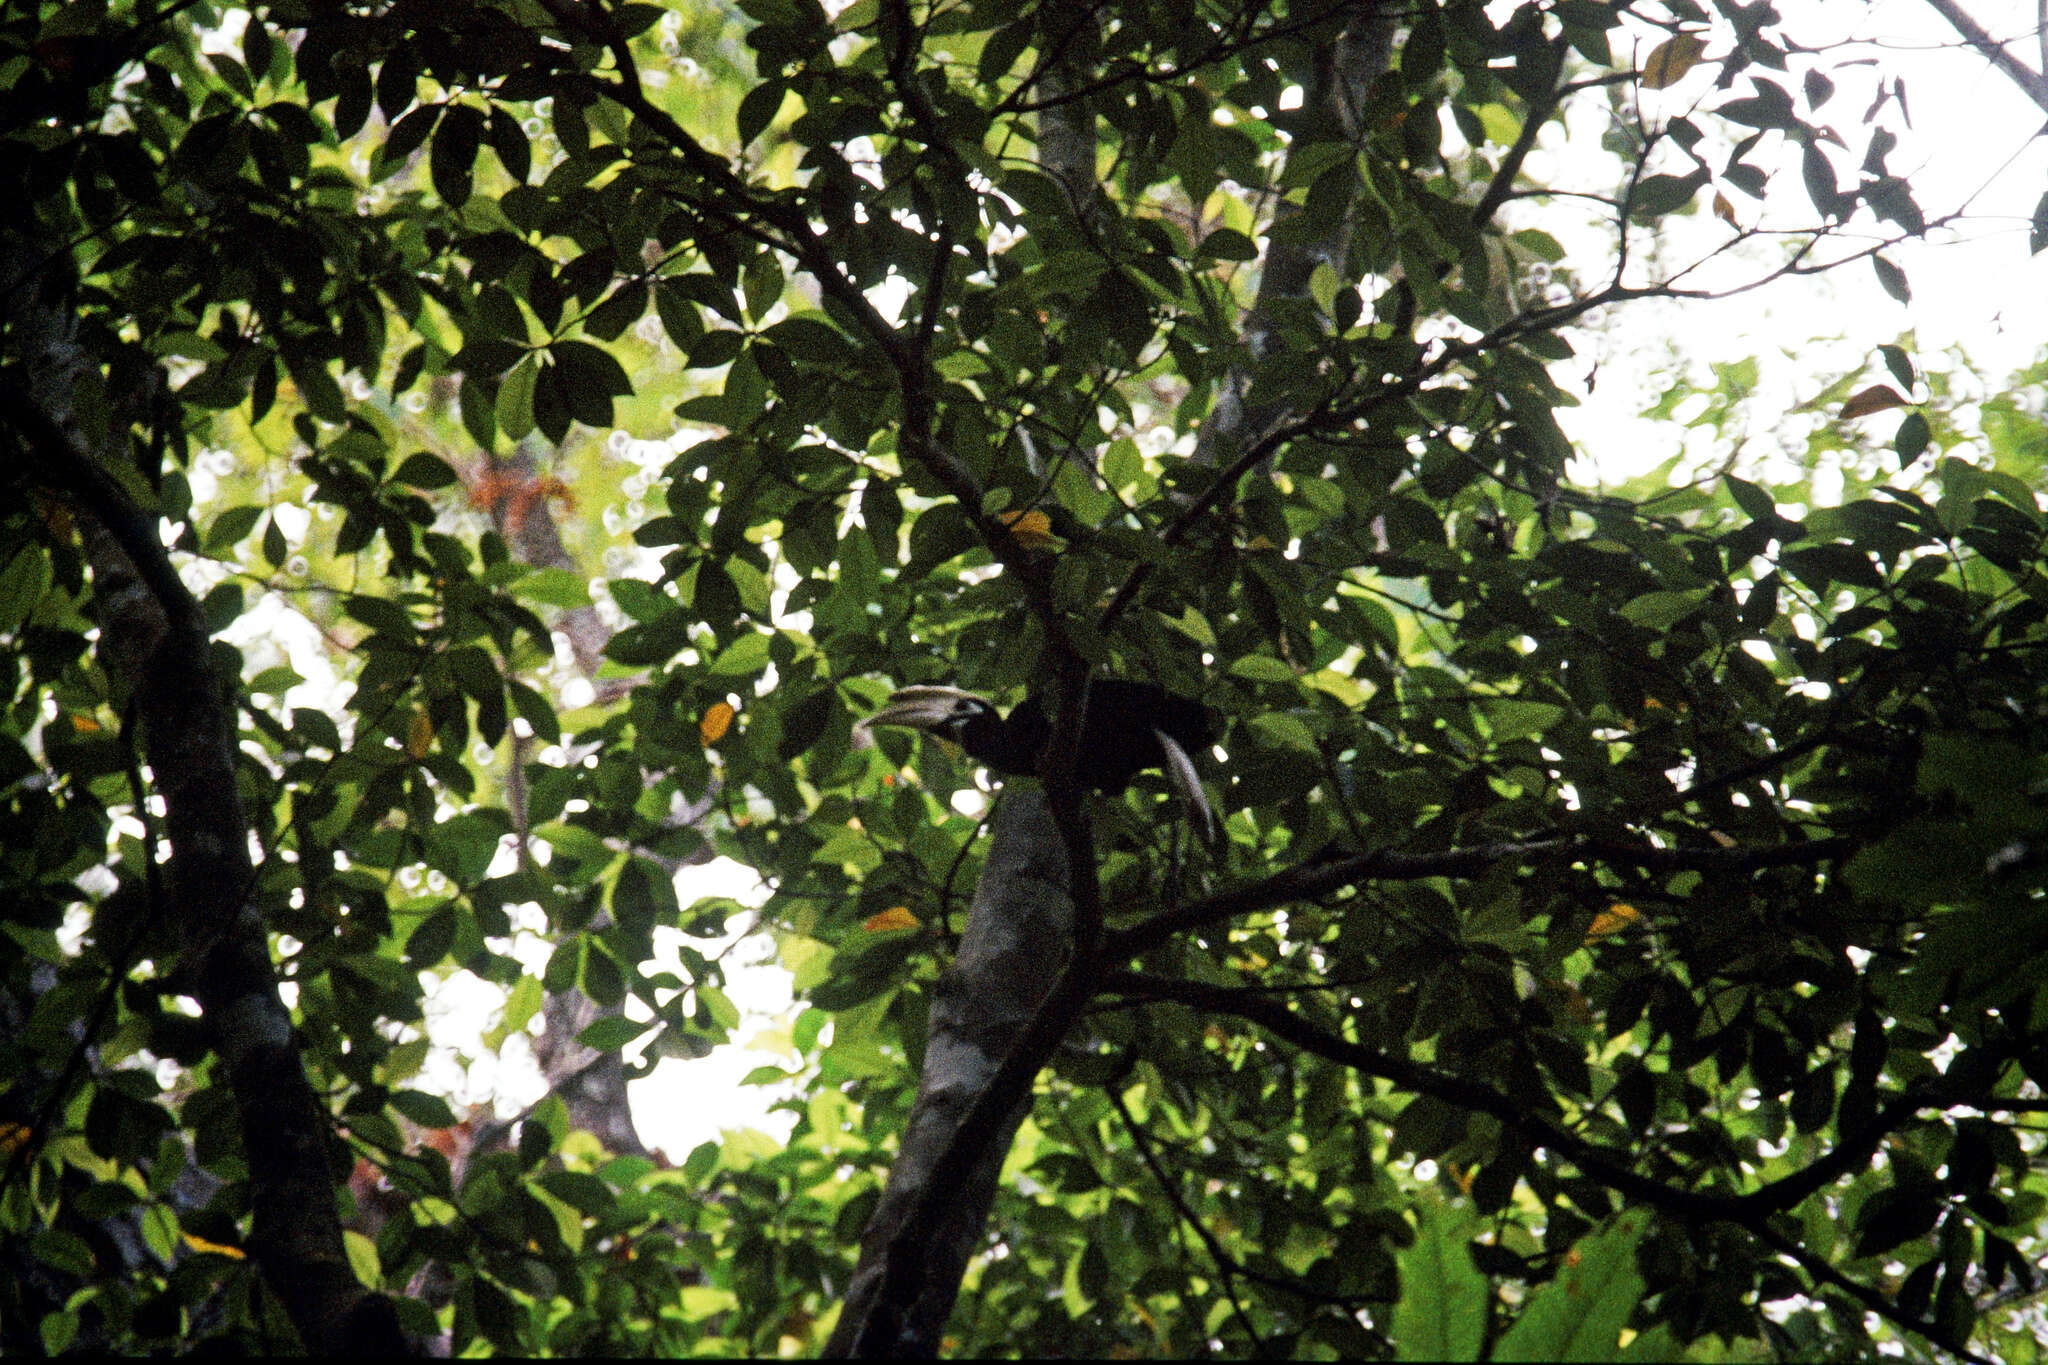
point(920, 708)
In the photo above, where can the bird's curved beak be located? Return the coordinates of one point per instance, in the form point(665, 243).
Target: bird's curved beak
point(934, 710)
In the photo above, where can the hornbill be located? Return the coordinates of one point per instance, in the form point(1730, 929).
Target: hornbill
point(1128, 727)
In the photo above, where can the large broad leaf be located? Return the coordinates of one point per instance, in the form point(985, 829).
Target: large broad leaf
point(1579, 1315)
point(1441, 1314)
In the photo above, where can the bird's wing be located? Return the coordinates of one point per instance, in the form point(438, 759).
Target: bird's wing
point(1187, 784)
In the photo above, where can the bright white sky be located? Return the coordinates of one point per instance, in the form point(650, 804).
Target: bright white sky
point(1974, 287)
point(1972, 144)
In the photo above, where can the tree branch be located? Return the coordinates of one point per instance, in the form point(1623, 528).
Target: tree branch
point(1310, 881)
point(2031, 82)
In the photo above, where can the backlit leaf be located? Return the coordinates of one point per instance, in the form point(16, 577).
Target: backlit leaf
point(1671, 59)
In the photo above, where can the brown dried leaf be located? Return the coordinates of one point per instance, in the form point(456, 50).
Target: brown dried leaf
point(1876, 398)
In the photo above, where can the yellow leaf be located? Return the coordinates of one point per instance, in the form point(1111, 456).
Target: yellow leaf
point(84, 725)
point(419, 735)
point(717, 720)
point(1259, 543)
point(1876, 398)
point(1032, 530)
point(1612, 920)
point(895, 917)
point(13, 1137)
point(1671, 59)
point(198, 1243)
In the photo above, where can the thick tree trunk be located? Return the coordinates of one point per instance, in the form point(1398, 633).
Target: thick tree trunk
point(591, 1084)
point(1019, 932)
point(154, 644)
point(1332, 108)
point(160, 654)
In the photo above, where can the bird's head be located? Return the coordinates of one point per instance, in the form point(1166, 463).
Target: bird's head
point(946, 712)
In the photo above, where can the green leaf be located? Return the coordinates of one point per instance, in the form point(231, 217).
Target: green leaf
point(1911, 442)
point(555, 587)
point(612, 1033)
point(63, 1250)
point(362, 1259)
point(757, 110)
point(1262, 668)
point(453, 160)
point(430, 942)
point(580, 1190)
point(428, 1111)
point(514, 409)
point(1895, 1215)
point(423, 470)
point(1751, 498)
point(1657, 195)
point(523, 1003)
point(1227, 244)
point(1662, 610)
point(1441, 1314)
point(804, 722)
point(590, 378)
point(1579, 1315)
point(1892, 278)
point(508, 139)
point(1286, 732)
point(227, 529)
point(387, 618)
point(536, 710)
point(743, 658)
point(1770, 107)
point(58, 1331)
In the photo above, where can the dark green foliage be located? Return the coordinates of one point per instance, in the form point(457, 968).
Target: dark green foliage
point(1689, 963)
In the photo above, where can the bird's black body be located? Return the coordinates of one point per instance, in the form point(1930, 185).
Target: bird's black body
point(1120, 736)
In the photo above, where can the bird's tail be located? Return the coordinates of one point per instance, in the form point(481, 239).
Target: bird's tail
point(1187, 785)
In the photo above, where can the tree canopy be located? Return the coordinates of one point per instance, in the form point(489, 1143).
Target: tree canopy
point(1626, 936)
